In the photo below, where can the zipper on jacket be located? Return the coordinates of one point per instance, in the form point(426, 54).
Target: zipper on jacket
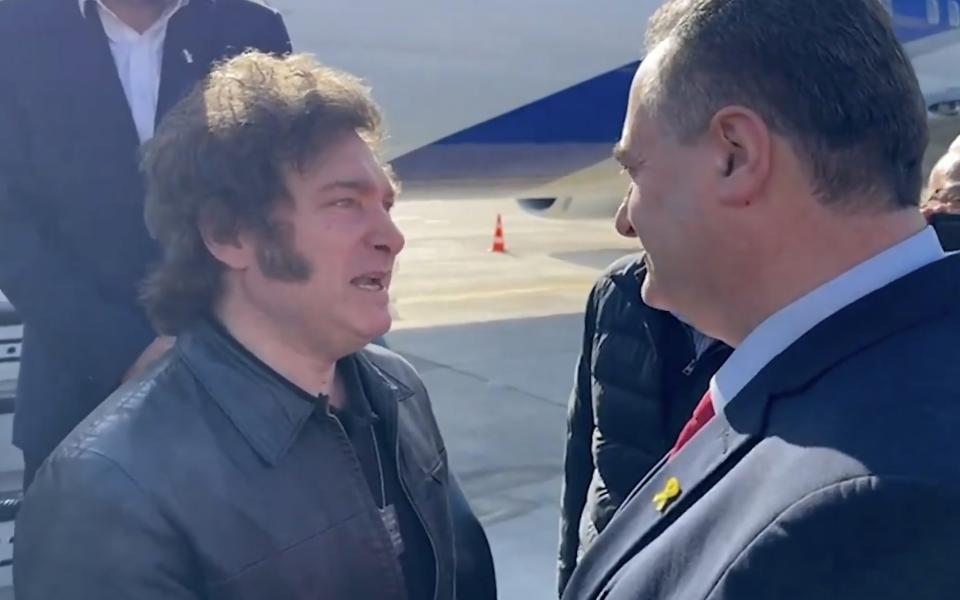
point(426, 530)
point(413, 505)
point(692, 365)
point(688, 370)
point(343, 431)
point(712, 349)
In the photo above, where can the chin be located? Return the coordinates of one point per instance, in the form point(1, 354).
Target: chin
point(375, 326)
point(652, 293)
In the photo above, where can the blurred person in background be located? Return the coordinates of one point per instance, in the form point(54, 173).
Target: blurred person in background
point(82, 84)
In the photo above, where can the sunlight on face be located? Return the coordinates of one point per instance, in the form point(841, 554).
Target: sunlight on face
point(339, 225)
point(664, 204)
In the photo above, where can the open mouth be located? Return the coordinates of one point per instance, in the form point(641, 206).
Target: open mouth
point(372, 282)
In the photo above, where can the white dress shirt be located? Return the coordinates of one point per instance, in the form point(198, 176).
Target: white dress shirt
point(139, 58)
point(787, 325)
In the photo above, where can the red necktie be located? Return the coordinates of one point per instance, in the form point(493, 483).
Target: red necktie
point(701, 414)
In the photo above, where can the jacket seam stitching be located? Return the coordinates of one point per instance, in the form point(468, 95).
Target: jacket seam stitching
point(116, 465)
point(244, 569)
point(136, 485)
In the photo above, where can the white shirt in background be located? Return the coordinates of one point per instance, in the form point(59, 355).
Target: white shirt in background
point(139, 58)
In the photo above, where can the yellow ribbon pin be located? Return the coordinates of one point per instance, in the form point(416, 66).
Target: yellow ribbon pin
point(670, 491)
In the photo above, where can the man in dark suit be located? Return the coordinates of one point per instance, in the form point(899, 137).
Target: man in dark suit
point(82, 85)
point(775, 149)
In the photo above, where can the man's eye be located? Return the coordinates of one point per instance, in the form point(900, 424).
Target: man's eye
point(345, 202)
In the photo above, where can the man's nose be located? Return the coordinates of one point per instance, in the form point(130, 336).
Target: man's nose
point(386, 235)
point(621, 222)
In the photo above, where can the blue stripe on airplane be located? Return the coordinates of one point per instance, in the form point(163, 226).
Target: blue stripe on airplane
point(912, 18)
point(530, 145)
point(571, 129)
point(590, 111)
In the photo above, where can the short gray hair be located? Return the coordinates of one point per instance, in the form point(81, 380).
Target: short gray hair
point(828, 75)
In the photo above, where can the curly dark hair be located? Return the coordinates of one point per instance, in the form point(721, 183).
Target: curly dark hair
point(217, 161)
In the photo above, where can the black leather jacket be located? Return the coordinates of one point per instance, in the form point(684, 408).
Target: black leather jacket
point(211, 477)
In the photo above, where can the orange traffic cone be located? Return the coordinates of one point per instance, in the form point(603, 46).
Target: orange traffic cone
point(498, 244)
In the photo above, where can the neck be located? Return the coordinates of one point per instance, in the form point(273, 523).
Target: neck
point(311, 371)
point(139, 16)
point(814, 252)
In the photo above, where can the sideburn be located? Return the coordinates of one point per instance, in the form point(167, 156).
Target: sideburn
point(277, 257)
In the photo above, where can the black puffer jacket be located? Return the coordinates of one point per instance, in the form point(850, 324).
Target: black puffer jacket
point(636, 384)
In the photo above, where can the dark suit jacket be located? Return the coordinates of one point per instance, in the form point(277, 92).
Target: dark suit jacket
point(833, 474)
point(75, 247)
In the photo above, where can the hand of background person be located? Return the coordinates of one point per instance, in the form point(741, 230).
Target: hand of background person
point(936, 207)
point(942, 201)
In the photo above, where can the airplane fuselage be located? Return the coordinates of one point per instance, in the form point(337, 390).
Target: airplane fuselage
point(522, 99)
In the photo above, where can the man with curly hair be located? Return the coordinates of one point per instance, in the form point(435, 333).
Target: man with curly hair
point(272, 453)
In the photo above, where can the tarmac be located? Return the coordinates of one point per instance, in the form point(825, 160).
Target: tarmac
point(496, 338)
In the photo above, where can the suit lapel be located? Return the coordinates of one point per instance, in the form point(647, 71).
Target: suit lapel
point(186, 53)
point(717, 448)
point(713, 451)
point(88, 70)
point(88, 73)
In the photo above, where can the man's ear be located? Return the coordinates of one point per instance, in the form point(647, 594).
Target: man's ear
point(742, 146)
point(228, 244)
